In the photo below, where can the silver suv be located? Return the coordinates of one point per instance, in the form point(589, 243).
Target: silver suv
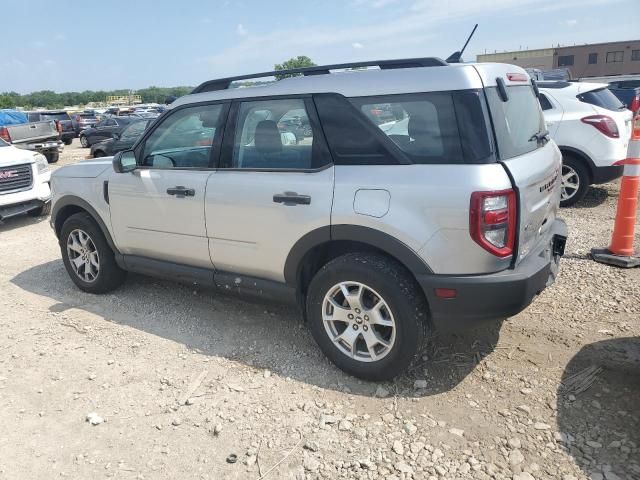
point(383, 202)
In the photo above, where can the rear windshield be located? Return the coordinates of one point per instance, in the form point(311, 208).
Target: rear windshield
point(435, 127)
point(602, 98)
point(89, 116)
point(516, 121)
point(55, 116)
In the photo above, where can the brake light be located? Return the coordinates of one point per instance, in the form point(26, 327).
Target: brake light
point(517, 77)
point(492, 221)
point(635, 104)
point(604, 123)
point(4, 134)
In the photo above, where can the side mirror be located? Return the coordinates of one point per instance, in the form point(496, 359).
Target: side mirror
point(116, 136)
point(124, 162)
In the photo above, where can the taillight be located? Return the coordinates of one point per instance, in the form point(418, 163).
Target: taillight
point(492, 221)
point(4, 134)
point(635, 104)
point(604, 123)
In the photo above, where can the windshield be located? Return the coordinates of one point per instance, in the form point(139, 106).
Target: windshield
point(517, 122)
point(602, 98)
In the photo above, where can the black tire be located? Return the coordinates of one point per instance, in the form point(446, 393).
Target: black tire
point(573, 165)
point(41, 211)
point(68, 141)
point(110, 276)
point(84, 142)
point(52, 157)
point(99, 154)
point(397, 288)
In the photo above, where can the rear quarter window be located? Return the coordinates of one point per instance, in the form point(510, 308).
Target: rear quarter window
point(516, 121)
point(602, 98)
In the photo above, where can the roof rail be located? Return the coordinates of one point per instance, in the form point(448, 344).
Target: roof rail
point(224, 83)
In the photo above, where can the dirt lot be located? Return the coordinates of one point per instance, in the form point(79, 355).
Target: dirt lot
point(552, 393)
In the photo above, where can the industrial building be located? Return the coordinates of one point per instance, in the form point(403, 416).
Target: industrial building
point(583, 61)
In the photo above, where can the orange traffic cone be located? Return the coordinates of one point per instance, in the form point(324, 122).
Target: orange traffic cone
point(620, 252)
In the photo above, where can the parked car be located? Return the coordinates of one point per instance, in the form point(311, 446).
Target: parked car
point(592, 129)
point(104, 129)
point(82, 121)
point(120, 142)
point(24, 182)
point(62, 120)
point(41, 137)
point(378, 238)
point(627, 94)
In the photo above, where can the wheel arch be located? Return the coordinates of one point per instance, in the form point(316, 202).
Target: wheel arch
point(319, 246)
point(580, 155)
point(70, 205)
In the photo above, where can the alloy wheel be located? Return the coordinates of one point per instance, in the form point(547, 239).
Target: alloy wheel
point(83, 255)
point(570, 183)
point(358, 321)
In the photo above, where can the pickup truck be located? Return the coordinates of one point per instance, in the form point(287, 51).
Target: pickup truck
point(42, 137)
point(63, 121)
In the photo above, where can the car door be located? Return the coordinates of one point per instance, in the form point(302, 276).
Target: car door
point(100, 131)
point(157, 211)
point(270, 189)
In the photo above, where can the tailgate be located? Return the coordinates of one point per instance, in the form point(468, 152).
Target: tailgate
point(536, 177)
point(32, 132)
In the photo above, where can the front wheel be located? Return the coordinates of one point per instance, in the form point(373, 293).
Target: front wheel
point(368, 315)
point(89, 260)
point(68, 141)
point(575, 181)
point(52, 157)
point(84, 142)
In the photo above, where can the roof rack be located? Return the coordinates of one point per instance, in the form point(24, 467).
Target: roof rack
point(224, 83)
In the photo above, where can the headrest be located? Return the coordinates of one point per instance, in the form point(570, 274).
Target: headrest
point(267, 137)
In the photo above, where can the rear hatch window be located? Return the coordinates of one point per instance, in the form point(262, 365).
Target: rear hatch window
point(56, 116)
point(602, 98)
point(517, 121)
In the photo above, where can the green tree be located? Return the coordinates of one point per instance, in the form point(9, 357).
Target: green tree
point(300, 61)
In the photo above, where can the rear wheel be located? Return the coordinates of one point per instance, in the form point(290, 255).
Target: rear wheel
point(367, 314)
point(99, 154)
point(83, 141)
point(575, 181)
point(52, 157)
point(89, 260)
point(68, 141)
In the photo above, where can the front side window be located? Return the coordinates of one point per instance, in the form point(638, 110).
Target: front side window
point(516, 121)
point(565, 60)
point(275, 134)
point(111, 123)
point(184, 139)
point(544, 102)
point(615, 57)
point(134, 130)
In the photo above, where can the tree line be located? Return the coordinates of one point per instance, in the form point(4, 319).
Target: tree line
point(51, 99)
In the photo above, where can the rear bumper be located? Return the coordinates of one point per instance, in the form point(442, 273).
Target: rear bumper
point(606, 174)
point(498, 295)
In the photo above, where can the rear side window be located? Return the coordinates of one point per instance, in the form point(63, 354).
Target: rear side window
point(516, 121)
point(544, 102)
point(602, 98)
point(422, 125)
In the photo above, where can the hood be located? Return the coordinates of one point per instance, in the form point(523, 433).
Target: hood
point(14, 156)
point(85, 168)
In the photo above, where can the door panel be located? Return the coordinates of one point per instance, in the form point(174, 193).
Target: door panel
point(149, 222)
point(250, 233)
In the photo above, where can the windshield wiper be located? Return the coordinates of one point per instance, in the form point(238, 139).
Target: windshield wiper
point(541, 136)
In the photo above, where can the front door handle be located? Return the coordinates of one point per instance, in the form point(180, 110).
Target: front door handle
point(181, 191)
point(291, 199)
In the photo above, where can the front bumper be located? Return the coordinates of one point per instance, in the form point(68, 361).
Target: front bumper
point(497, 295)
point(606, 174)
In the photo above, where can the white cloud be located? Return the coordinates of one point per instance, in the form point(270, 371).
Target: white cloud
point(571, 23)
point(240, 30)
point(357, 45)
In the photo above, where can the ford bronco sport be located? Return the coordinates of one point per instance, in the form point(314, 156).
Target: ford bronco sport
point(423, 194)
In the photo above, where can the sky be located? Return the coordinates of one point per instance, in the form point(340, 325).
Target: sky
point(70, 45)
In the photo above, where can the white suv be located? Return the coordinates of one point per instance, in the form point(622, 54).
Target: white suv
point(415, 195)
point(24, 182)
point(592, 129)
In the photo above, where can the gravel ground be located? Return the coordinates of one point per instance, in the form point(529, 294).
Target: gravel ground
point(178, 381)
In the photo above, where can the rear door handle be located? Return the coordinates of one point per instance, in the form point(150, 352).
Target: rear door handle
point(291, 199)
point(181, 191)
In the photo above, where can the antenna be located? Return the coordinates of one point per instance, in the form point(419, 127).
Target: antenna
point(456, 57)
